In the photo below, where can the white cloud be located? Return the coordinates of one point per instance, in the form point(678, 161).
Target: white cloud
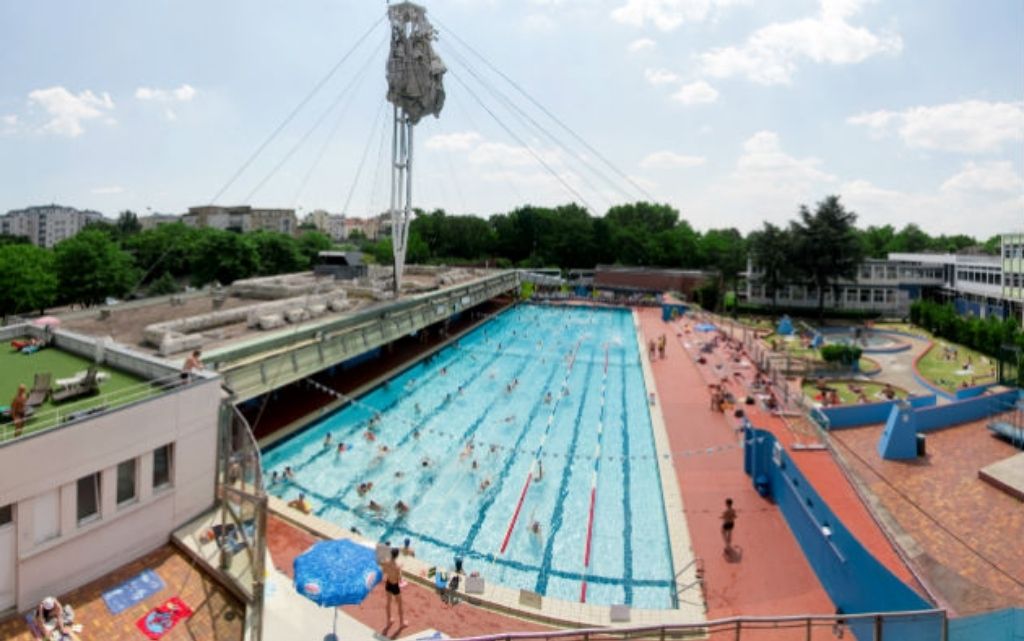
point(660, 77)
point(184, 93)
point(459, 141)
point(502, 154)
point(641, 44)
point(772, 53)
point(670, 160)
point(106, 191)
point(996, 176)
point(9, 124)
point(539, 23)
point(67, 111)
point(971, 126)
point(695, 93)
point(764, 159)
point(668, 15)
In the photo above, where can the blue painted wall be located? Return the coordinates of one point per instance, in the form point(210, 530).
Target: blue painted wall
point(854, 580)
point(971, 392)
point(1001, 625)
point(867, 413)
point(973, 409)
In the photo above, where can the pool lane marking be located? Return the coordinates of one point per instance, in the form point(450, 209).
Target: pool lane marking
point(593, 484)
point(485, 507)
point(627, 514)
point(563, 489)
point(540, 448)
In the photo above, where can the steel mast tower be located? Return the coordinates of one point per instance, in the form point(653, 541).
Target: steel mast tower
point(415, 88)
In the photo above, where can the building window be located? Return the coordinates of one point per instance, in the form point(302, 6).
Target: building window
point(851, 295)
point(162, 462)
point(126, 477)
point(88, 498)
point(890, 296)
point(865, 295)
point(879, 296)
point(6, 515)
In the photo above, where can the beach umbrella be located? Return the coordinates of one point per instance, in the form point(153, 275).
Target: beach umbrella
point(46, 321)
point(339, 572)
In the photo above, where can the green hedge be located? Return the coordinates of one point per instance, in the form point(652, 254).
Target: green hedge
point(845, 354)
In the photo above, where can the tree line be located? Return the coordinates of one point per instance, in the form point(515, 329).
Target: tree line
point(119, 259)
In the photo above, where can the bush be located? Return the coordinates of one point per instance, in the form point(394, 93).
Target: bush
point(845, 354)
point(164, 286)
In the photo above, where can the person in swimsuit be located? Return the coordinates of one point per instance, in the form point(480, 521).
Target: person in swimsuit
point(18, 405)
point(728, 523)
point(392, 586)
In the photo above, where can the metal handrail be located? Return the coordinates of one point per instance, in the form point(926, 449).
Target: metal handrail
point(52, 417)
point(737, 623)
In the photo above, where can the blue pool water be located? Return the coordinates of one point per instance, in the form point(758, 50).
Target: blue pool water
point(593, 433)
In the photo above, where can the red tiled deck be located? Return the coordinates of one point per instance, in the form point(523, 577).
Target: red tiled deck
point(945, 485)
point(772, 577)
point(218, 615)
point(423, 608)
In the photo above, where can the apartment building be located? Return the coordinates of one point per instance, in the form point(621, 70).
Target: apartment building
point(153, 221)
point(242, 219)
point(47, 225)
point(331, 224)
point(83, 491)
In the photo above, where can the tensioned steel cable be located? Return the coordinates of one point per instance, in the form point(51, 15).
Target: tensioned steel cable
point(302, 103)
point(519, 140)
point(548, 113)
point(345, 92)
point(323, 147)
point(366, 150)
point(526, 118)
point(376, 170)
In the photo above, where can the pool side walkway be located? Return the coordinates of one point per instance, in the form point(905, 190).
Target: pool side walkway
point(770, 575)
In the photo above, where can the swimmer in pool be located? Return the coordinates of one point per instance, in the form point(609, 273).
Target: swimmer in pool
point(364, 487)
point(369, 436)
point(327, 440)
point(341, 448)
point(547, 398)
point(486, 483)
point(288, 473)
point(401, 508)
point(535, 530)
point(419, 410)
point(374, 507)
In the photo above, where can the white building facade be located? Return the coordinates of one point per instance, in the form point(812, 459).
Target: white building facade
point(81, 498)
point(47, 225)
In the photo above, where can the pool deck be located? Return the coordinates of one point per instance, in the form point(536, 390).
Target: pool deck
point(978, 520)
point(770, 575)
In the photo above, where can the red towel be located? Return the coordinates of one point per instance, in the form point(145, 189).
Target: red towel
point(161, 619)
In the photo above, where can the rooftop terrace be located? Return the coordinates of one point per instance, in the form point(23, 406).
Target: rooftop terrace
point(65, 362)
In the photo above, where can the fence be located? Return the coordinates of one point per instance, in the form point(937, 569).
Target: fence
point(923, 625)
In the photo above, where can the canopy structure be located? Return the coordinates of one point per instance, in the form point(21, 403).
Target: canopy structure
point(333, 573)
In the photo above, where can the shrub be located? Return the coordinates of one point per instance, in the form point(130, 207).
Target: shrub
point(845, 354)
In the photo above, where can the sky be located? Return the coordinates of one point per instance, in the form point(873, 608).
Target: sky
point(735, 112)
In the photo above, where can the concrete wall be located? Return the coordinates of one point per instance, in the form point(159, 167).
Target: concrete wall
point(1001, 625)
point(40, 463)
point(866, 413)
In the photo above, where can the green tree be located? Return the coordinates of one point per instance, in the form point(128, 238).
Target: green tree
point(826, 246)
point(911, 239)
point(878, 241)
point(11, 239)
point(128, 223)
point(166, 249)
point(278, 253)
point(725, 251)
point(163, 286)
point(224, 257)
point(28, 280)
point(311, 243)
point(91, 267)
point(771, 252)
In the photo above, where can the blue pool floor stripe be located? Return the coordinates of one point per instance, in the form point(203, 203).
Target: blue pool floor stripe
point(499, 483)
point(563, 489)
point(465, 436)
point(627, 515)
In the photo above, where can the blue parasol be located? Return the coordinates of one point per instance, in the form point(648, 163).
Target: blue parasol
point(333, 573)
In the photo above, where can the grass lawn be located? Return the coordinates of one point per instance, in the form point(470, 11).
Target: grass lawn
point(17, 368)
point(847, 396)
point(794, 349)
point(950, 374)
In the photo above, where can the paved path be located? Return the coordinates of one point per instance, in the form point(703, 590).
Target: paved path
point(898, 367)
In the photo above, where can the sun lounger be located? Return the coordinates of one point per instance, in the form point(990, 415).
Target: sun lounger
point(40, 390)
point(89, 386)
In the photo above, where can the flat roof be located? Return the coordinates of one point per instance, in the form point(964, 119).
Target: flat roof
point(126, 322)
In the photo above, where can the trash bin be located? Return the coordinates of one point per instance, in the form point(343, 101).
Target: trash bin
point(920, 445)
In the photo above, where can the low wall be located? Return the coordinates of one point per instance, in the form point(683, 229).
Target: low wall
point(867, 413)
point(853, 578)
point(938, 417)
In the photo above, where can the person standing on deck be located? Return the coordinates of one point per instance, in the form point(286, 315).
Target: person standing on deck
point(18, 405)
point(728, 523)
point(392, 585)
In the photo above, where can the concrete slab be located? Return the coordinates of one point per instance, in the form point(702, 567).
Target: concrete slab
point(1007, 475)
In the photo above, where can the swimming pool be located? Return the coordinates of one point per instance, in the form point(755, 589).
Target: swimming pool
point(479, 451)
